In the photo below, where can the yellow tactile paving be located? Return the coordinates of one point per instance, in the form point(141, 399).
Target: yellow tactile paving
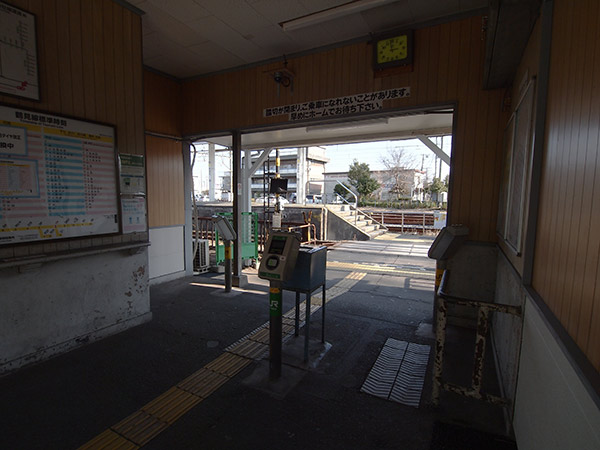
point(249, 349)
point(109, 440)
point(143, 425)
point(228, 364)
point(261, 335)
point(171, 405)
point(287, 329)
point(376, 268)
point(203, 382)
point(286, 320)
point(140, 427)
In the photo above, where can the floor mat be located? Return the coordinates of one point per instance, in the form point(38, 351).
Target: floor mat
point(399, 372)
point(453, 437)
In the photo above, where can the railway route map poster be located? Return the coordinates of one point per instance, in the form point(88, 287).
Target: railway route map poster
point(58, 177)
point(18, 53)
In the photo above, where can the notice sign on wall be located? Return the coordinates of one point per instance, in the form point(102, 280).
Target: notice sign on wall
point(57, 177)
point(18, 54)
point(133, 174)
point(133, 214)
point(339, 106)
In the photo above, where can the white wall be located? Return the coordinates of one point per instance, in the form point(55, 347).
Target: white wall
point(553, 409)
point(166, 253)
point(54, 306)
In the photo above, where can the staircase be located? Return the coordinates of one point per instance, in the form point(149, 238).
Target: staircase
point(364, 227)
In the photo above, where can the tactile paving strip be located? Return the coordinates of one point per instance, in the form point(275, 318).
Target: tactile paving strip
point(140, 427)
point(143, 425)
point(399, 372)
point(228, 364)
point(110, 440)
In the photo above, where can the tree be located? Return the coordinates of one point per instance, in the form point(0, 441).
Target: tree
point(400, 165)
point(436, 187)
point(359, 176)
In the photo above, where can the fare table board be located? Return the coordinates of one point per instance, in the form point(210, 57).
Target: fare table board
point(58, 177)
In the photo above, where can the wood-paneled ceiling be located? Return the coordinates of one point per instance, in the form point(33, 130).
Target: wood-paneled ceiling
point(189, 38)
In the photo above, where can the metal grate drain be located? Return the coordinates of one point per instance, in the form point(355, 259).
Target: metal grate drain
point(399, 372)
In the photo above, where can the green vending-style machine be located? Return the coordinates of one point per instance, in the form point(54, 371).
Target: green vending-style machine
point(277, 264)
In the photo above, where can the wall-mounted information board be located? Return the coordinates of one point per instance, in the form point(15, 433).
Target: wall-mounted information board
point(58, 177)
point(18, 53)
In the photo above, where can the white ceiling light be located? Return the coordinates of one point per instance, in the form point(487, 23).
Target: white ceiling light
point(331, 13)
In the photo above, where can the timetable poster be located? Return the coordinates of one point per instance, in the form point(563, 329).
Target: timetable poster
point(57, 177)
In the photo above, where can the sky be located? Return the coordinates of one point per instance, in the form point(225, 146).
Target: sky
point(341, 157)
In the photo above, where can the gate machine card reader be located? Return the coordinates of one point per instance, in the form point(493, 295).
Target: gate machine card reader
point(277, 265)
point(279, 259)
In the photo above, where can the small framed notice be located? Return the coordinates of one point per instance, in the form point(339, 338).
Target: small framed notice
point(18, 53)
point(133, 214)
point(133, 174)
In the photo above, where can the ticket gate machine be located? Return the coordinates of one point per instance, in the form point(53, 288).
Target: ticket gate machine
point(277, 264)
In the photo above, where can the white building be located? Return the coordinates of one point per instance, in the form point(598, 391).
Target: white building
point(303, 165)
point(403, 184)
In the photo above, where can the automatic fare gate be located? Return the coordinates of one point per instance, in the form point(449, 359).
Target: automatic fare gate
point(300, 269)
point(277, 264)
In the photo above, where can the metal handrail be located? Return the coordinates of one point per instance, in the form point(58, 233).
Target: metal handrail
point(370, 218)
point(348, 189)
point(355, 206)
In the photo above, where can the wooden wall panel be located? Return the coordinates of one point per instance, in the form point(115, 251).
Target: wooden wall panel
point(79, 44)
point(567, 254)
point(162, 98)
point(162, 104)
point(447, 69)
point(164, 169)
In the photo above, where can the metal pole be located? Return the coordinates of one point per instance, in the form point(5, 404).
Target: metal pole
point(307, 326)
point(275, 308)
point(228, 266)
point(277, 175)
point(237, 211)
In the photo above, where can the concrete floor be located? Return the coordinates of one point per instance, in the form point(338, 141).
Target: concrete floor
point(67, 401)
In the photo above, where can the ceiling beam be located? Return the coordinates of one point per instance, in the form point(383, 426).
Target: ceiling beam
point(375, 137)
point(435, 149)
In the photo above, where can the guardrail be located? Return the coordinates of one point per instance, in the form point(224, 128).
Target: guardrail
point(204, 230)
point(483, 317)
point(405, 221)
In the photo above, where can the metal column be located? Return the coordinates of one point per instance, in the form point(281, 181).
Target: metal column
point(211, 172)
point(236, 138)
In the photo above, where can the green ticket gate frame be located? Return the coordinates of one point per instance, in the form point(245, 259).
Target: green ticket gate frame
point(248, 236)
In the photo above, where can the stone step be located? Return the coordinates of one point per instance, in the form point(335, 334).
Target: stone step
point(379, 232)
point(362, 222)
